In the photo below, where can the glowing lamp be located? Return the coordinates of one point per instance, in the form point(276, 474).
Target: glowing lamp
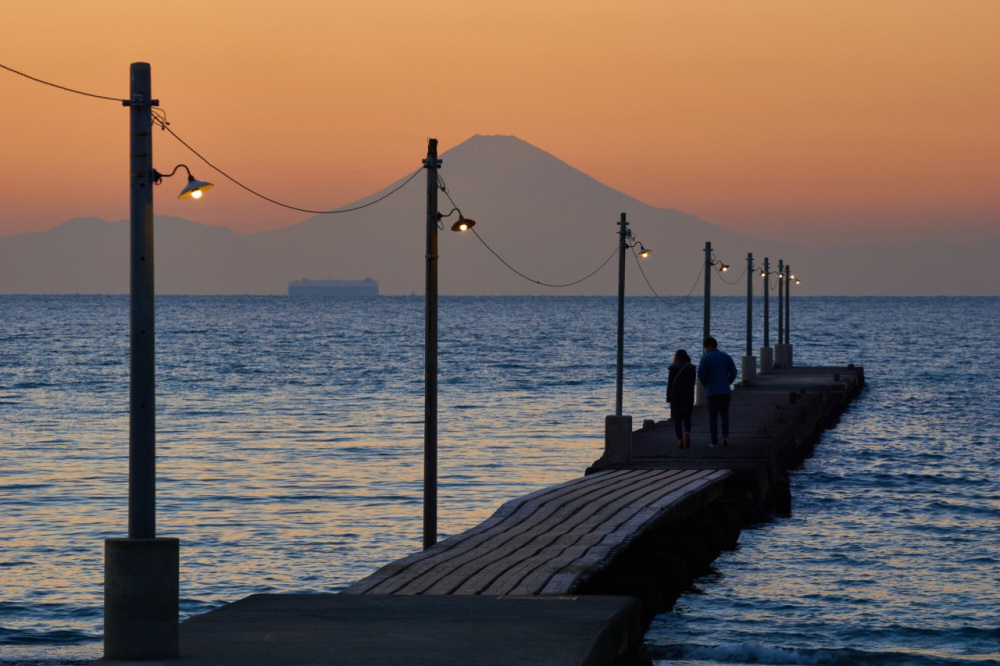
point(194, 188)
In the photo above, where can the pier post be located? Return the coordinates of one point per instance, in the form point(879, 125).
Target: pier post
point(618, 428)
point(749, 369)
point(781, 349)
point(141, 573)
point(432, 164)
point(788, 292)
point(706, 324)
point(623, 234)
point(766, 357)
point(781, 301)
point(618, 439)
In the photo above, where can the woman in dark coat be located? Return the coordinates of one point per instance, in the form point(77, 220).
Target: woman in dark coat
point(680, 395)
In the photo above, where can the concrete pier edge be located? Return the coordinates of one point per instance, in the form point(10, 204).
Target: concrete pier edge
point(642, 580)
point(141, 593)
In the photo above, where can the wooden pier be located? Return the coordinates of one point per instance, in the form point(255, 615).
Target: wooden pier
point(606, 552)
point(549, 542)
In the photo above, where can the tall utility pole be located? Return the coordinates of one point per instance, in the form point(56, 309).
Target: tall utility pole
point(749, 304)
point(142, 360)
point(788, 291)
point(767, 309)
point(707, 323)
point(781, 300)
point(432, 164)
point(623, 234)
point(141, 573)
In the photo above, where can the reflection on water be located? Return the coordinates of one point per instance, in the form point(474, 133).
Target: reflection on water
point(291, 455)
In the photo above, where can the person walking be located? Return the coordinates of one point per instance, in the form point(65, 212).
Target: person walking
point(680, 395)
point(717, 372)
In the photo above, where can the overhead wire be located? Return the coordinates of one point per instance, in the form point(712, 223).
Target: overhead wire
point(644, 277)
point(161, 121)
point(544, 284)
point(701, 272)
point(159, 117)
point(736, 281)
point(56, 85)
point(444, 188)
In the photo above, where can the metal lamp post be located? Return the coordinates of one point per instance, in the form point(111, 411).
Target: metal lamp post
point(789, 278)
point(781, 302)
point(432, 163)
point(623, 234)
point(788, 291)
point(783, 350)
point(749, 365)
point(766, 353)
point(618, 428)
point(141, 573)
point(706, 327)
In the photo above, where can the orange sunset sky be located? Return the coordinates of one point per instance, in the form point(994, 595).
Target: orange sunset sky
point(820, 121)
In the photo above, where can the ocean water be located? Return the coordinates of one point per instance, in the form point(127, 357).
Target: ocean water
point(290, 439)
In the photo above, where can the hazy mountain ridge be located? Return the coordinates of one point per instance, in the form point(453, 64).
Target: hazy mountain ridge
point(547, 219)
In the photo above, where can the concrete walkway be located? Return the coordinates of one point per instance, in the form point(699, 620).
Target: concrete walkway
point(320, 629)
point(776, 420)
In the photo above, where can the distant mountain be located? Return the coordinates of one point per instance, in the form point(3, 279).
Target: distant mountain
point(546, 219)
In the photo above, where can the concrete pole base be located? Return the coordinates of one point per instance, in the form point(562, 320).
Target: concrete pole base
point(618, 439)
point(782, 356)
point(749, 369)
point(766, 360)
point(141, 592)
point(699, 393)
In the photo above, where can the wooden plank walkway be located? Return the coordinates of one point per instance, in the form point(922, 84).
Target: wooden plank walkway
point(550, 541)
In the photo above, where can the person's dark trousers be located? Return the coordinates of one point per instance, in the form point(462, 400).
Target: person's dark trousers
point(682, 423)
point(718, 407)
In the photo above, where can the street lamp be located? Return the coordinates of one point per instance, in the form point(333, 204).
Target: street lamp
point(749, 360)
point(783, 350)
point(142, 572)
point(710, 261)
point(781, 302)
point(432, 163)
point(766, 353)
point(618, 428)
point(789, 279)
point(194, 188)
point(625, 240)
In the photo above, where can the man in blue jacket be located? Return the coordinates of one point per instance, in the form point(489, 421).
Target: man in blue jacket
point(716, 371)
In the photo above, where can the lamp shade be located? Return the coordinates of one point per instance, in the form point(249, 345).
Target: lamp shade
point(463, 224)
point(194, 188)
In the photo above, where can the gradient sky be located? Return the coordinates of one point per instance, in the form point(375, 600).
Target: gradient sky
point(820, 121)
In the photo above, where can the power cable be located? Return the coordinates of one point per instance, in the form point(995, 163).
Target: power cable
point(159, 117)
point(736, 281)
point(648, 283)
point(544, 284)
point(55, 85)
point(161, 121)
point(701, 272)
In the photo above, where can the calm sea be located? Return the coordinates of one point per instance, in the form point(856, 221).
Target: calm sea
point(290, 435)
